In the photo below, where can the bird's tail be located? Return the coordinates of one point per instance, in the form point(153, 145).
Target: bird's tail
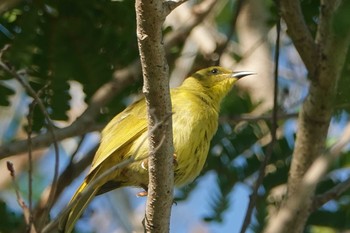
point(81, 199)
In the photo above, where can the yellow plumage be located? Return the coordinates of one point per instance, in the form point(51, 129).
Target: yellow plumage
point(195, 105)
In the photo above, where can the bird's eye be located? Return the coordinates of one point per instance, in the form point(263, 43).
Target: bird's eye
point(214, 71)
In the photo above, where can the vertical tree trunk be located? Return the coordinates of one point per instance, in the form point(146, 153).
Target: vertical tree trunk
point(150, 16)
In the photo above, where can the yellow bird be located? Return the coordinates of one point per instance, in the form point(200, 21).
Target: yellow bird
point(195, 104)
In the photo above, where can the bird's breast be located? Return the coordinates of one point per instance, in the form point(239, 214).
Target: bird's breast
point(193, 129)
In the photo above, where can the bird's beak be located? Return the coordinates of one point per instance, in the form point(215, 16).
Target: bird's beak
point(241, 74)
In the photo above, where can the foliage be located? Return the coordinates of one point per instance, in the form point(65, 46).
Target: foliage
point(11, 222)
point(57, 42)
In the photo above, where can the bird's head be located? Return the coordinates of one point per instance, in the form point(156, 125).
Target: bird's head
point(215, 81)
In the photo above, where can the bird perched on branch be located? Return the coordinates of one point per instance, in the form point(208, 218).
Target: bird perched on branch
point(195, 104)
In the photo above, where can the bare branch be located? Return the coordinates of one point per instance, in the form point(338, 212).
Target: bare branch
point(313, 125)
point(237, 8)
point(30, 163)
point(253, 118)
point(150, 18)
point(49, 123)
point(199, 12)
point(72, 171)
point(274, 126)
point(86, 122)
point(291, 208)
point(21, 203)
point(78, 128)
point(317, 109)
point(297, 203)
point(299, 32)
point(339, 189)
point(331, 194)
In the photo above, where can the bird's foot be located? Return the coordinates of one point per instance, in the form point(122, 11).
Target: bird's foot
point(142, 194)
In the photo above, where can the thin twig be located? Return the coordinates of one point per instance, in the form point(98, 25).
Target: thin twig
point(77, 148)
point(21, 203)
point(339, 189)
point(49, 123)
point(16, 187)
point(30, 162)
point(332, 194)
point(236, 8)
point(200, 11)
point(73, 170)
point(299, 33)
point(275, 91)
point(79, 127)
point(253, 118)
point(254, 47)
point(30, 155)
point(274, 126)
point(66, 177)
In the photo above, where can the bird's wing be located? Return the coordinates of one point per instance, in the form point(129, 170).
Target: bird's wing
point(120, 131)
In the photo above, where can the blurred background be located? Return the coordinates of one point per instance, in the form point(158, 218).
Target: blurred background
point(81, 57)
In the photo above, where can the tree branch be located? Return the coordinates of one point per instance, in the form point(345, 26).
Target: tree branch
point(273, 129)
point(50, 127)
point(331, 194)
point(315, 115)
point(295, 204)
point(150, 16)
point(299, 32)
point(71, 172)
point(79, 127)
point(86, 122)
point(21, 202)
point(236, 11)
point(253, 118)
